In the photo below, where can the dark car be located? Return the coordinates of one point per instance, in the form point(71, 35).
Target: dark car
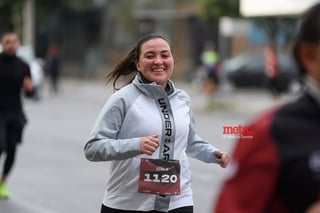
point(247, 71)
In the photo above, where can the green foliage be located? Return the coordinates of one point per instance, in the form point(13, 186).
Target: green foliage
point(10, 15)
point(214, 9)
point(8, 3)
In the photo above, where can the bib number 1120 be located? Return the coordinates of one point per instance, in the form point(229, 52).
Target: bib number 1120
point(160, 178)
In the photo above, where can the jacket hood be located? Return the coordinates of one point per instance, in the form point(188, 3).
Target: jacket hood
point(152, 88)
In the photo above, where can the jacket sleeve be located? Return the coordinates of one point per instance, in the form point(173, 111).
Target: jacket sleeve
point(197, 147)
point(252, 174)
point(103, 143)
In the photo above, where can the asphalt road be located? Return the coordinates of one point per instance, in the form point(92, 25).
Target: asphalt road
point(51, 174)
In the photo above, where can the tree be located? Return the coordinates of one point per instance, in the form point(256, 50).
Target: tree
point(214, 9)
point(11, 15)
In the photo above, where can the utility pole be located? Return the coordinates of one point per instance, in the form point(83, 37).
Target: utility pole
point(28, 23)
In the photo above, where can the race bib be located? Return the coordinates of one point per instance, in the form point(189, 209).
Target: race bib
point(159, 176)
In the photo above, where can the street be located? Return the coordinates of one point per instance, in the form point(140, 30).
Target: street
point(51, 174)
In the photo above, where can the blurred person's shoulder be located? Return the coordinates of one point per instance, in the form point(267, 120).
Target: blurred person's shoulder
point(263, 121)
point(285, 122)
point(293, 109)
point(302, 107)
point(21, 61)
point(23, 65)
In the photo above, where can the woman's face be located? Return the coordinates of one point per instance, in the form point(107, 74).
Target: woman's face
point(156, 61)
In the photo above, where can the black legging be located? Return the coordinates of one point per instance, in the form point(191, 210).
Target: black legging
point(187, 209)
point(12, 137)
point(10, 157)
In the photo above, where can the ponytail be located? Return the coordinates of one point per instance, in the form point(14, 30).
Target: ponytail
point(125, 67)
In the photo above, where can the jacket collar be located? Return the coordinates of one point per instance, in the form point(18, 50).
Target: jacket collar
point(149, 88)
point(312, 87)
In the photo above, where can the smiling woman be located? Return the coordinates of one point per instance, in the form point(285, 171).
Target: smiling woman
point(156, 61)
point(146, 130)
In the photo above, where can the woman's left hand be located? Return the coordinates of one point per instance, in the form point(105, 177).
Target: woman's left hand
point(222, 158)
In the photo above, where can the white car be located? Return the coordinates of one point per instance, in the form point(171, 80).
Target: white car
point(36, 68)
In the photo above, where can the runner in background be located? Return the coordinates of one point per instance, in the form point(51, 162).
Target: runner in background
point(272, 69)
point(210, 61)
point(15, 77)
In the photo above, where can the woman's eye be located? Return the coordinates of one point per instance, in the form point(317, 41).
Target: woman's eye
point(152, 56)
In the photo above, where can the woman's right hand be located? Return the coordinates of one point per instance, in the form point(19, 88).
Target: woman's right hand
point(149, 144)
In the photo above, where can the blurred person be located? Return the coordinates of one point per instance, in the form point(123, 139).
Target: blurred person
point(52, 67)
point(14, 76)
point(272, 69)
point(146, 130)
point(210, 60)
point(278, 169)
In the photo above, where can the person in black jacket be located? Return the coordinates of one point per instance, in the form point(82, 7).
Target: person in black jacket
point(14, 76)
point(277, 169)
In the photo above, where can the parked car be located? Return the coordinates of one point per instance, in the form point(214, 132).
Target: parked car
point(247, 71)
point(36, 68)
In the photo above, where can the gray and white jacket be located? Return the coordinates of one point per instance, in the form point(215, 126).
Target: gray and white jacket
point(137, 110)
